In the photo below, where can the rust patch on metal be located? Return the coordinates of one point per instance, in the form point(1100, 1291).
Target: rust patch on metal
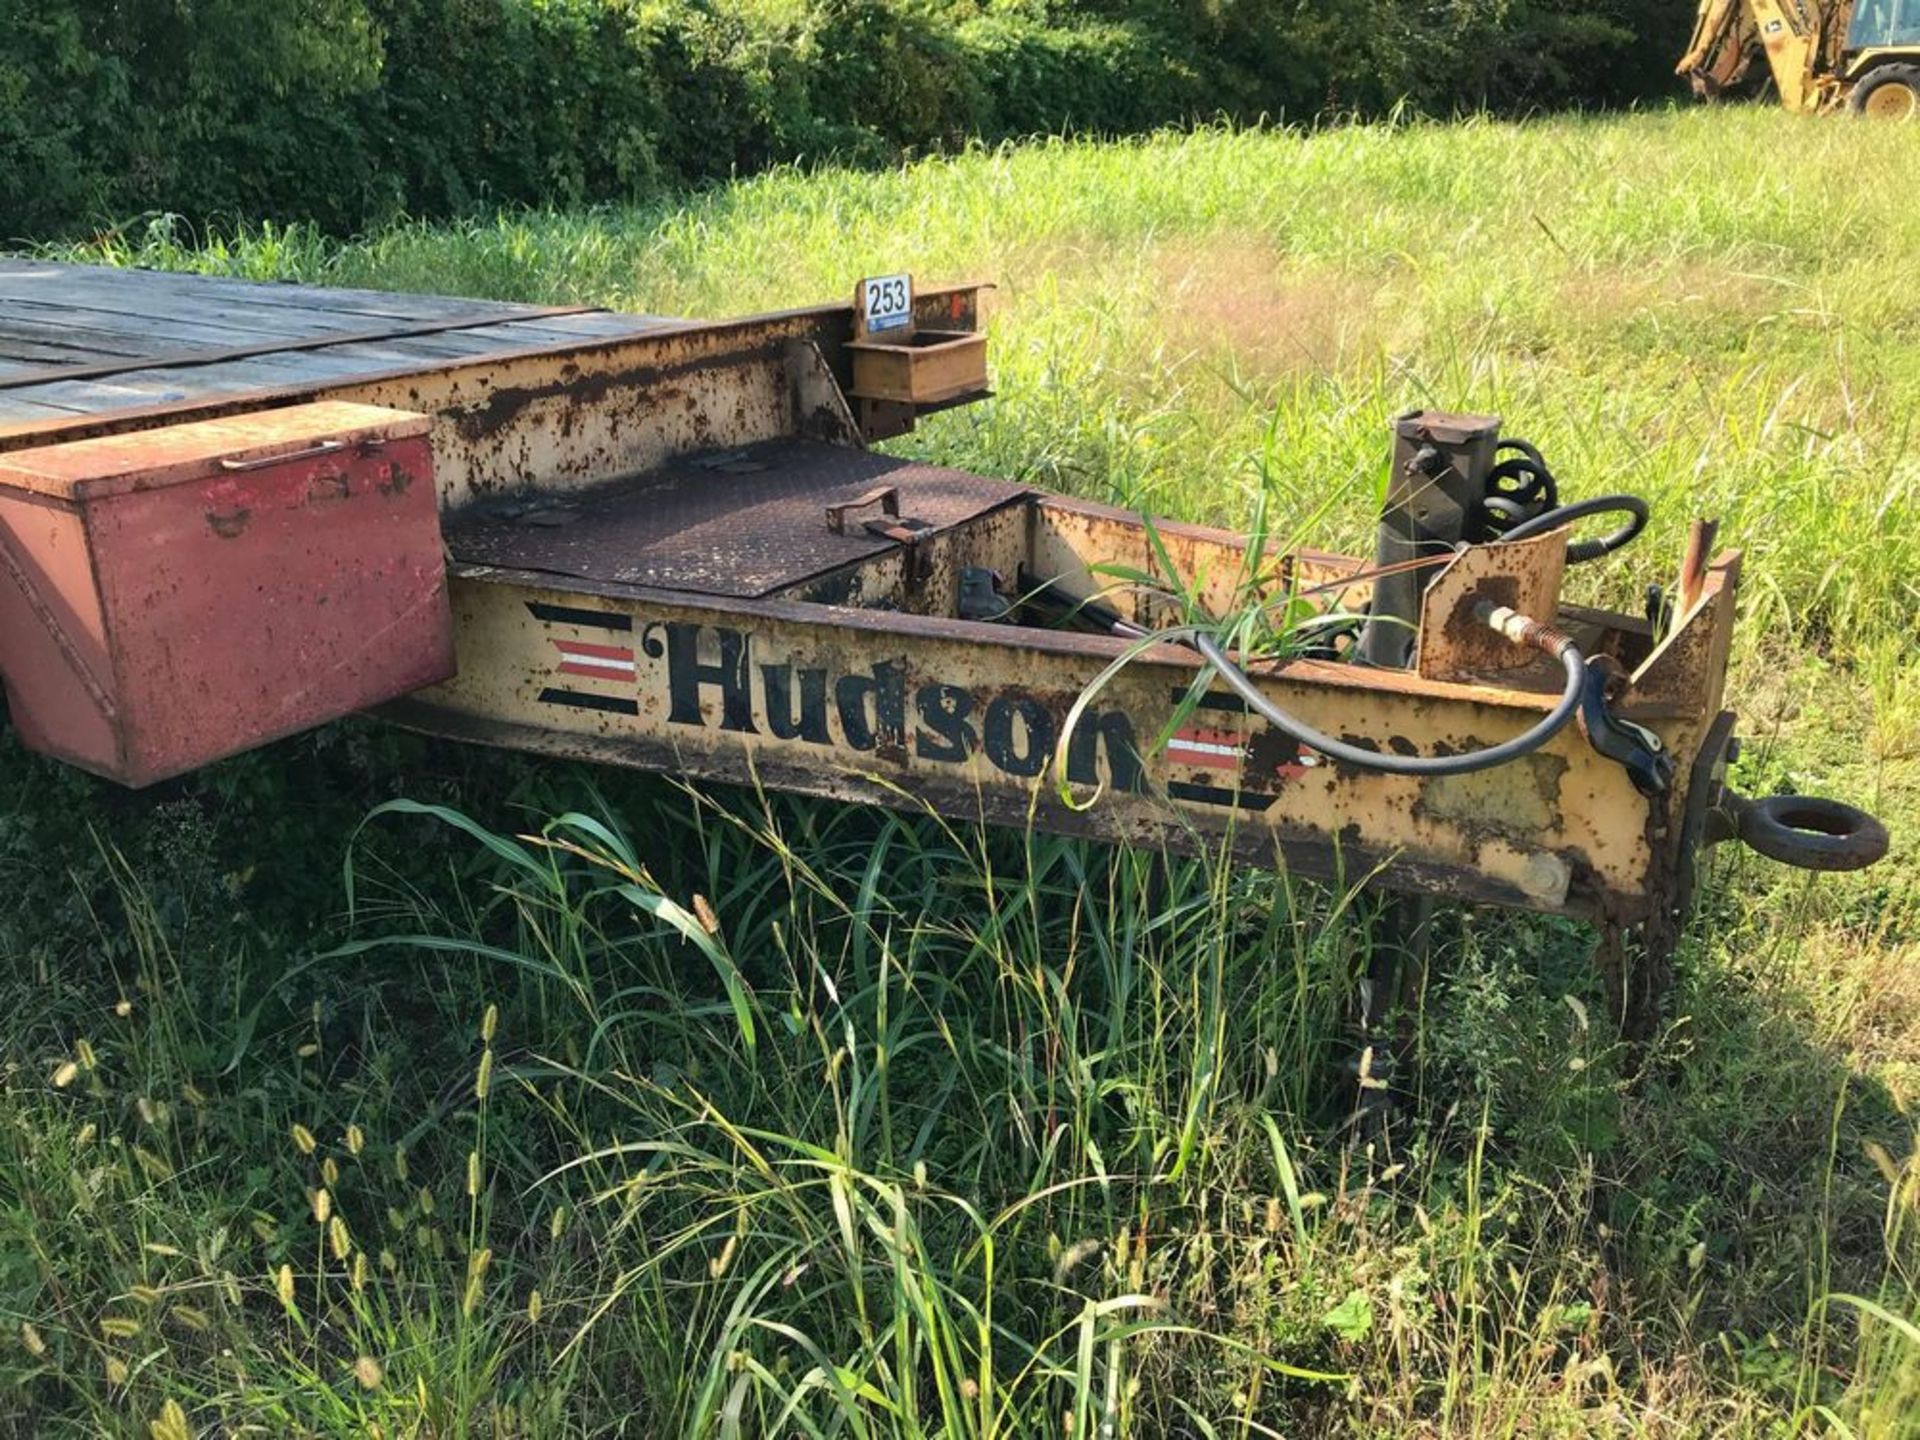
point(1521, 798)
point(328, 485)
point(1523, 575)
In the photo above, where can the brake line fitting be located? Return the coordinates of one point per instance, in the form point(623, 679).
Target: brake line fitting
point(1636, 748)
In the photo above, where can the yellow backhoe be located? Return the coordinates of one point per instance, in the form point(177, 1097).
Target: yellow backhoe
point(1823, 54)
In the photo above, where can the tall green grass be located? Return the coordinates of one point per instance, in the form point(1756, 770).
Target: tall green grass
point(642, 1110)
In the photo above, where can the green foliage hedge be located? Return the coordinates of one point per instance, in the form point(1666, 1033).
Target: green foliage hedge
point(349, 112)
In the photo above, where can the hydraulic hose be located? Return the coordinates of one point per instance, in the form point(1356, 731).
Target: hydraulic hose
point(1518, 628)
point(1632, 506)
point(1568, 654)
point(1522, 499)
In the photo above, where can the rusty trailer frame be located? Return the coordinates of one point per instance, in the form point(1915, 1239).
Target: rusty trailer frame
point(675, 550)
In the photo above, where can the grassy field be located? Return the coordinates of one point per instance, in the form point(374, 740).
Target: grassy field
point(420, 1123)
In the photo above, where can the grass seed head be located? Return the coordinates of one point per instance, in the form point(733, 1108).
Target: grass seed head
point(489, 1023)
point(36, 1344)
point(303, 1139)
point(330, 1171)
point(709, 921)
point(368, 1372)
point(170, 1423)
point(116, 1370)
point(338, 1239)
point(534, 1306)
point(1882, 1161)
point(83, 1051)
point(356, 1140)
point(283, 1285)
point(65, 1075)
point(483, 1080)
point(1073, 1257)
point(473, 1174)
point(322, 1205)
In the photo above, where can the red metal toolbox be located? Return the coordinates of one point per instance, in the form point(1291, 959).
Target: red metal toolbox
point(173, 595)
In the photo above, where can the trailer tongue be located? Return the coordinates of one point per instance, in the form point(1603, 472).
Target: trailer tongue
point(671, 548)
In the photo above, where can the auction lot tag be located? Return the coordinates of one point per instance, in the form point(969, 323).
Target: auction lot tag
point(887, 302)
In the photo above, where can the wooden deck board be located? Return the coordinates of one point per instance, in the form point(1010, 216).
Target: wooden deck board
point(46, 410)
point(247, 319)
point(93, 341)
point(110, 334)
point(21, 354)
point(165, 292)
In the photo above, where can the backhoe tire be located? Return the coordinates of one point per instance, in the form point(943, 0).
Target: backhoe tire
point(1889, 92)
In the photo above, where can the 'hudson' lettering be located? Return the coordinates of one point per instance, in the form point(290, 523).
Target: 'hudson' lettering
point(687, 673)
point(869, 710)
point(809, 722)
point(944, 732)
point(873, 707)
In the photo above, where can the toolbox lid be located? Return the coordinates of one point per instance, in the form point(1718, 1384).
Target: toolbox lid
point(170, 454)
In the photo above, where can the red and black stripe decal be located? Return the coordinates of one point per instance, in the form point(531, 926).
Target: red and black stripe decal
point(590, 660)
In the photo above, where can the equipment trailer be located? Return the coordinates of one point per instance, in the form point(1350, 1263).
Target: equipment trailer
point(667, 544)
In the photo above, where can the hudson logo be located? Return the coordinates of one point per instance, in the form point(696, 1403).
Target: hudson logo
point(1223, 757)
point(877, 710)
point(714, 680)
